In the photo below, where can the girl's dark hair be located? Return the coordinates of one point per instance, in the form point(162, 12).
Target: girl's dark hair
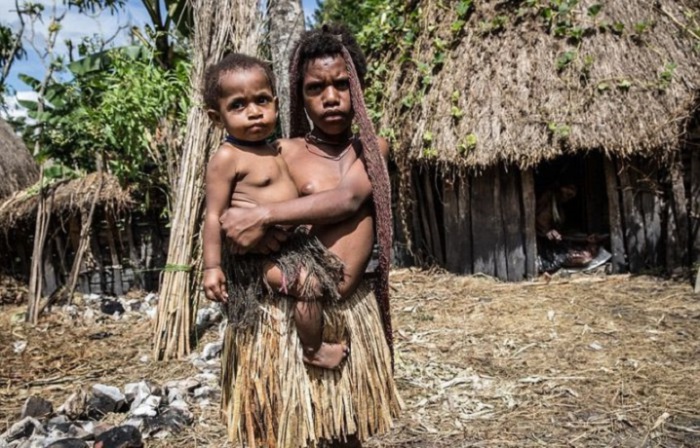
point(336, 40)
point(230, 63)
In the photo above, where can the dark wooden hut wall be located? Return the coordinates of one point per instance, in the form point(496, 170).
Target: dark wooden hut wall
point(617, 237)
point(125, 251)
point(475, 223)
point(485, 223)
point(694, 219)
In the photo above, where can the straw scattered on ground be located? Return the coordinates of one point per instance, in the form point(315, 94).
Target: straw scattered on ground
point(583, 361)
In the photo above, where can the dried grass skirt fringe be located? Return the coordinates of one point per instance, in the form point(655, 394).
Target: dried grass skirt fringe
point(270, 398)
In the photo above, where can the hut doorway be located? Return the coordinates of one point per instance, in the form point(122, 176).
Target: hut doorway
point(581, 205)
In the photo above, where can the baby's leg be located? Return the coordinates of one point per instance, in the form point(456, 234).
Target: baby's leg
point(308, 319)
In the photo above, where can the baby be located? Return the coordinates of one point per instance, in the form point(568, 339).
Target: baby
point(247, 171)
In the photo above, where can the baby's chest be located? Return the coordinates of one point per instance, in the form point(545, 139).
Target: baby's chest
point(262, 172)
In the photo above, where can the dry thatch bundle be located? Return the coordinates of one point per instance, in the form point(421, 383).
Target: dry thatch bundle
point(17, 167)
point(68, 196)
point(219, 26)
point(507, 88)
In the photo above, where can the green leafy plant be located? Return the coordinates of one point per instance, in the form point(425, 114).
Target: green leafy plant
point(565, 59)
point(666, 75)
point(594, 10)
point(467, 144)
point(624, 85)
point(455, 111)
point(559, 130)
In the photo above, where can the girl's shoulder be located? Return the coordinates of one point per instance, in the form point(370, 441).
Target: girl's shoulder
point(286, 146)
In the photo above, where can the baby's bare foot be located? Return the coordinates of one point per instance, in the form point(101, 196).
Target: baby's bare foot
point(328, 356)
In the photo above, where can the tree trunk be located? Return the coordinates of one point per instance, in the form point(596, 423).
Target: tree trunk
point(286, 25)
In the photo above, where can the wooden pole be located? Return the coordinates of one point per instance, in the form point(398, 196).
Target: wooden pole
point(36, 277)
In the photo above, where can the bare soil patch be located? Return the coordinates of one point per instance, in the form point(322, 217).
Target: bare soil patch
point(583, 361)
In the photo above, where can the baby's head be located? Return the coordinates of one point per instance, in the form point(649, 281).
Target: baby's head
point(239, 95)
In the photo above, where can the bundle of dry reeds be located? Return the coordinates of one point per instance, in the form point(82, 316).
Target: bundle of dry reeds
point(218, 27)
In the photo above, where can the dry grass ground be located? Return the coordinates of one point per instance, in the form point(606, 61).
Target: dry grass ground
point(584, 361)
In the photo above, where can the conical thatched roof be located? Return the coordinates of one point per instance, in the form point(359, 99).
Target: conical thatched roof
point(511, 90)
point(17, 167)
point(67, 196)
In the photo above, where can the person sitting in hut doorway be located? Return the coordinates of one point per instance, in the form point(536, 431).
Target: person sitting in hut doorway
point(247, 171)
point(558, 250)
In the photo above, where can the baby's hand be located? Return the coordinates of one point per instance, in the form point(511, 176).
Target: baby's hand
point(214, 282)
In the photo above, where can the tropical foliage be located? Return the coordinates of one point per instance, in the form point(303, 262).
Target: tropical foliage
point(116, 109)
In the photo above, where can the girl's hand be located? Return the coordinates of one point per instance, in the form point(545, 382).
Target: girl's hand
point(214, 282)
point(245, 227)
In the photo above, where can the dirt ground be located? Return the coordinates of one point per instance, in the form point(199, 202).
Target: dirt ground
point(580, 361)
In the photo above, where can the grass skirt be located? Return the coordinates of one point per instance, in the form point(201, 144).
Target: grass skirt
point(270, 398)
point(246, 276)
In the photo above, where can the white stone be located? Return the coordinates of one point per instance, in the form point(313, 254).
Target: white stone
point(133, 391)
point(34, 442)
point(135, 422)
point(92, 297)
point(89, 314)
point(27, 427)
point(187, 385)
point(212, 350)
point(151, 298)
point(151, 313)
point(203, 392)
point(109, 391)
point(70, 310)
point(144, 411)
point(208, 378)
point(139, 399)
point(174, 395)
point(19, 347)
point(162, 434)
point(145, 359)
point(148, 408)
point(180, 405)
point(199, 364)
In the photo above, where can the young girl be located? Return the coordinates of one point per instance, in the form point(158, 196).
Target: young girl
point(247, 171)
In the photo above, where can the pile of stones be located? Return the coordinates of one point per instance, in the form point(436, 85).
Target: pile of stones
point(144, 410)
point(147, 410)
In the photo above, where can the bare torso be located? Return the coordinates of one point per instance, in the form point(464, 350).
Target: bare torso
point(262, 177)
point(351, 239)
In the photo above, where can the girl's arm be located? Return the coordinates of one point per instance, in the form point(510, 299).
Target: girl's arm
point(249, 226)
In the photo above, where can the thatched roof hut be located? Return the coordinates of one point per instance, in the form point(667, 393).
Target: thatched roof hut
point(17, 167)
point(628, 93)
point(495, 90)
point(66, 197)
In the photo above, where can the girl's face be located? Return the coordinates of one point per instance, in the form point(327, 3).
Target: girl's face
point(326, 93)
point(247, 107)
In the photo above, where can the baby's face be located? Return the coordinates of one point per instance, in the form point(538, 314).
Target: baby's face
point(247, 107)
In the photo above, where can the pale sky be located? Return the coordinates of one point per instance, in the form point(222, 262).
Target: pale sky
point(75, 27)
